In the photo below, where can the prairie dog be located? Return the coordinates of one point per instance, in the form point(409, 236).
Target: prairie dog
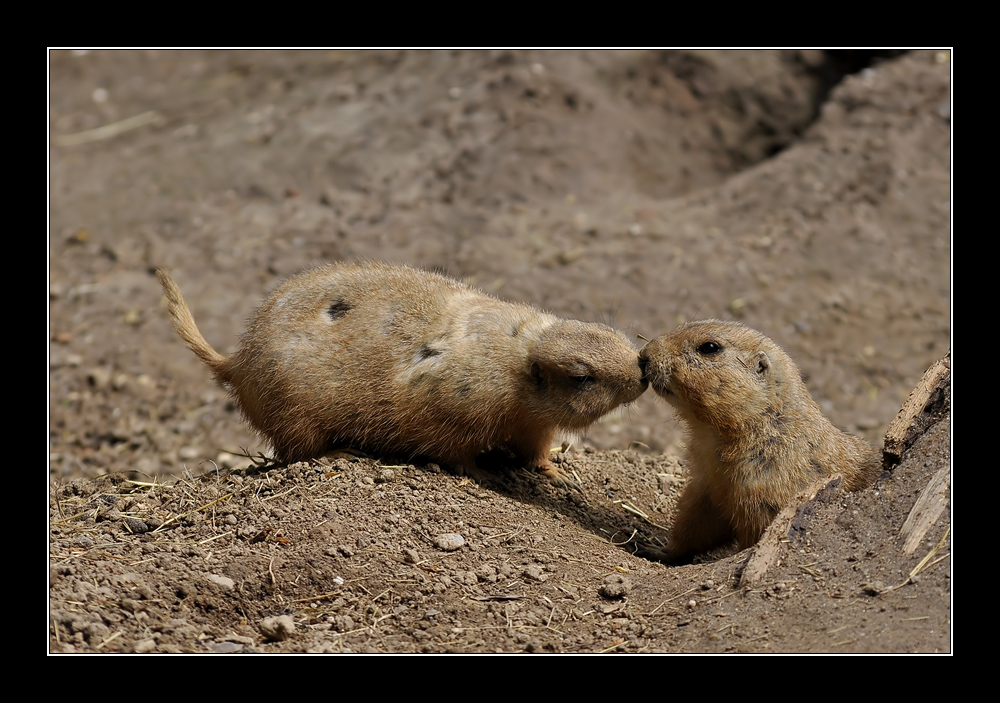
point(394, 360)
point(755, 435)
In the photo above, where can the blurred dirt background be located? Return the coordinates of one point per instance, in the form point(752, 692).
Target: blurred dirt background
point(806, 193)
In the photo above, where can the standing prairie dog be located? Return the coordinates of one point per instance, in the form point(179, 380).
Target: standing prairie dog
point(392, 360)
point(755, 435)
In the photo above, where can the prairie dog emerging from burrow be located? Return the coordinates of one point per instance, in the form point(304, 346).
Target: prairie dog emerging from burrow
point(391, 360)
point(755, 435)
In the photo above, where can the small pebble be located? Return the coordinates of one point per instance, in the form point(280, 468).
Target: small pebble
point(277, 628)
point(449, 541)
point(615, 586)
point(223, 582)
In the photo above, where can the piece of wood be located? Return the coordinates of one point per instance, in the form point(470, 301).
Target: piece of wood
point(926, 510)
point(930, 397)
point(792, 520)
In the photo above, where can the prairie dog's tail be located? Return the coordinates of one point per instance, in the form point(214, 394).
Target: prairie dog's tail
point(183, 322)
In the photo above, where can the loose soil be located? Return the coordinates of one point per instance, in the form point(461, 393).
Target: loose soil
point(804, 193)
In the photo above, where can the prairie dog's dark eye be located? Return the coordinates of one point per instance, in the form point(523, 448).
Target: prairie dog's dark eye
point(580, 373)
point(709, 348)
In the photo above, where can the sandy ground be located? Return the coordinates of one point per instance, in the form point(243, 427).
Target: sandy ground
point(806, 194)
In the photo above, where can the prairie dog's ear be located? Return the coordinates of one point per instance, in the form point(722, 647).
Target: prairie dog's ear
point(538, 374)
point(762, 362)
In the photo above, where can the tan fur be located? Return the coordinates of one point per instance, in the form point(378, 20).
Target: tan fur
point(756, 436)
point(393, 360)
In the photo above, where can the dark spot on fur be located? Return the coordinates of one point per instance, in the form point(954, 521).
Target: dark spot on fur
point(778, 420)
point(757, 466)
point(773, 444)
point(817, 467)
point(338, 309)
point(426, 352)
